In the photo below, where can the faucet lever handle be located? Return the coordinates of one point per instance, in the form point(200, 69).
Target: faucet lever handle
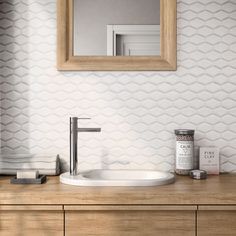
point(84, 118)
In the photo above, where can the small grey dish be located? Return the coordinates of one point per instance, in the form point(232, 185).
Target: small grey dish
point(40, 180)
point(198, 174)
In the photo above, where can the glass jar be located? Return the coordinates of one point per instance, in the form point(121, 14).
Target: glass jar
point(184, 151)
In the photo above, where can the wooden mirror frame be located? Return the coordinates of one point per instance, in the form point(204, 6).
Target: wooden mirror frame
point(66, 61)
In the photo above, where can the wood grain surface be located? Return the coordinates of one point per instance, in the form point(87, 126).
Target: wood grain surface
point(214, 190)
point(216, 223)
point(130, 223)
point(28, 223)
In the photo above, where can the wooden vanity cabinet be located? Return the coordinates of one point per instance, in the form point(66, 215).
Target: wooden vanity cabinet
point(116, 220)
point(28, 220)
point(216, 221)
point(130, 220)
point(186, 208)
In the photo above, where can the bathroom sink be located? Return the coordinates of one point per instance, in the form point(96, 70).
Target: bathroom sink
point(118, 178)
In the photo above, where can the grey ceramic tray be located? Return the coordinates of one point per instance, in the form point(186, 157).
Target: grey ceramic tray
point(40, 180)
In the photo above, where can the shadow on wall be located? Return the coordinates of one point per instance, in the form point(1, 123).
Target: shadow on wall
point(14, 83)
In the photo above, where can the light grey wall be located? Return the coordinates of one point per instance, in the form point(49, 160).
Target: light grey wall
point(137, 111)
point(92, 17)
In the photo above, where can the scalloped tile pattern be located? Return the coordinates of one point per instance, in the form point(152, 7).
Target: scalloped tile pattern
point(137, 111)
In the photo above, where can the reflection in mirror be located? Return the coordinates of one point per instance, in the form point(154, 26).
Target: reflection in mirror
point(116, 28)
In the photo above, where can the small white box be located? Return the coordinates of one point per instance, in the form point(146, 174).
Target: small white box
point(27, 174)
point(209, 160)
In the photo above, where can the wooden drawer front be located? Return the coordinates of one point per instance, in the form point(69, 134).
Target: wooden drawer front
point(131, 223)
point(216, 222)
point(31, 223)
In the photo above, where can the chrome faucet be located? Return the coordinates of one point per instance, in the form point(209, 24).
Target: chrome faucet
point(74, 142)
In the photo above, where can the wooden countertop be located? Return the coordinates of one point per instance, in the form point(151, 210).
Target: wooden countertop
point(215, 190)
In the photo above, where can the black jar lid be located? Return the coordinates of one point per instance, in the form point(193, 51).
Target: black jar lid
point(184, 131)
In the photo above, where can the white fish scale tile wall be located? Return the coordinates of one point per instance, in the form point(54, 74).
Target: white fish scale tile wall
point(137, 111)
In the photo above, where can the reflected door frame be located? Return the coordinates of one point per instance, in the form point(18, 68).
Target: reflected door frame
point(125, 30)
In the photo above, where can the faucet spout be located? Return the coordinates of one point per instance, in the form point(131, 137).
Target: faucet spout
point(74, 142)
point(89, 130)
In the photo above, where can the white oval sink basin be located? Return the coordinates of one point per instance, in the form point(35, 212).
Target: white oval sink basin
point(118, 178)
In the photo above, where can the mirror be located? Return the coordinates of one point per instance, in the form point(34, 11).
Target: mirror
point(116, 28)
point(116, 35)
